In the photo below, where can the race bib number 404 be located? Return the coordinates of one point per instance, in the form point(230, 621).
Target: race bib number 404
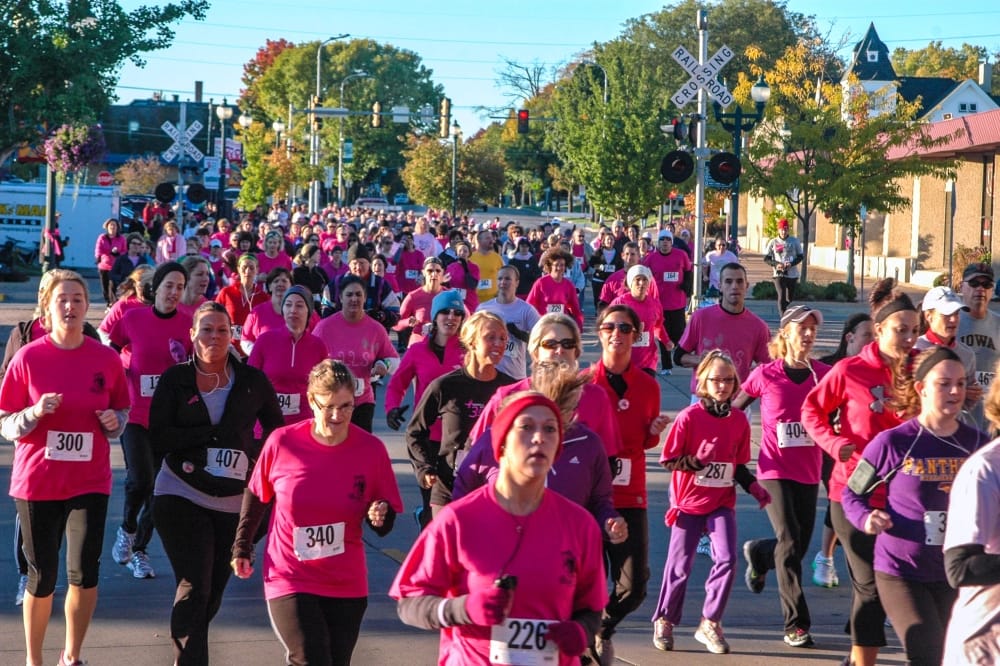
point(792, 434)
point(522, 642)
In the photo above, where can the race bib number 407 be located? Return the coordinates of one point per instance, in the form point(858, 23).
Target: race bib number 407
point(227, 463)
point(522, 642)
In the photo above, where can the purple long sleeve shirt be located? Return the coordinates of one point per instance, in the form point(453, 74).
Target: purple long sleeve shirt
point(581, 473)
point(925, 467)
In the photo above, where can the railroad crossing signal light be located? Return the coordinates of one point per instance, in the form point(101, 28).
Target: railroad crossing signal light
point(377, 114)
point(444, 118)
point(724, 168)
point(523, 117)
point(677, 166)
point(681, 130)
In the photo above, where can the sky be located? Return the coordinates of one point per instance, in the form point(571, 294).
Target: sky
point(466, 43)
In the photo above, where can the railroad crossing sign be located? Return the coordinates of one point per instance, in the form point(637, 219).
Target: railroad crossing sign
point(703, 76)
point(182, 142)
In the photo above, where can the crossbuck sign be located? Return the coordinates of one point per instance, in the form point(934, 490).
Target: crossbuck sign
point(182, 142)
point(703, 76)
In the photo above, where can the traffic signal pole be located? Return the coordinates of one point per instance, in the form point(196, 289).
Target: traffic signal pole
point(700, 153)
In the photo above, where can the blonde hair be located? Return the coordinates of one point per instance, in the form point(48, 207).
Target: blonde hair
point(547, 321)
point(329, 376)
point(471, 331)
point(701, 372)
point(56, 277)
point(561, 383)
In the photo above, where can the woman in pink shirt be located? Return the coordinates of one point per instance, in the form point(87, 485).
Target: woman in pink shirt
point(325, 478)
point(267, 315)
point(62, 399)
point(110, 245)
point(553, 292)
point(463, 275)
point(171, 245)
point(788, 465)
point(273, 255)
point(409, 262)
point(415, 312)
point(287, 354)
point(199, 278)
point(644, 352)
point(511, 561)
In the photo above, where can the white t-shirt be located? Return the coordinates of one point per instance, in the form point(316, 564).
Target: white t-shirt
point(982, 336)
point(523, 316)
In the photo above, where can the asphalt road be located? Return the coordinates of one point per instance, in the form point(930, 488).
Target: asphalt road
point(131, 625)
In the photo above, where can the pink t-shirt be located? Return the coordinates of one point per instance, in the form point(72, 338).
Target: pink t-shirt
point(547, 295)
point(555, 553)
point(668, 274)
point(321, 497)
point(90, 378)
point(263, 318)
point(644, 351)
point(420, 363)
point(455, 275)
point(266, 264)
point(408, 270)
point(154, 344)
point(357, 345)
point(417, 304)
point(786, 450)
point(700, 493)
point(743, 336)
point(614, 287)
point(287, 363)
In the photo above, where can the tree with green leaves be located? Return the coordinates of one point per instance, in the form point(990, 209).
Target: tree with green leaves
point(937, 60)
point(59, 61)
point(427, 175)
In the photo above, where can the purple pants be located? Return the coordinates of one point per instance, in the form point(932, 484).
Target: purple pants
point(684, 535)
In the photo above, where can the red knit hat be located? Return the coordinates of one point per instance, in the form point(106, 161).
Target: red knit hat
point(782, 223)
point(504, 421)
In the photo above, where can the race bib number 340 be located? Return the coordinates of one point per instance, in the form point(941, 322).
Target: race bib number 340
point(318, 541)
point(521, 642)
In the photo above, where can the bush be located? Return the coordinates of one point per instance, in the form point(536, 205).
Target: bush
point(808, 291)
point(840, 291)
point(764, 291)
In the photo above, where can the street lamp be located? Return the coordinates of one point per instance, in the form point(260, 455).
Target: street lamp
point(742, 122)
point(279, 128)
point(223, 113)
point(314, 139)
point(358, 74)
point(456, 137)
point(603, 71)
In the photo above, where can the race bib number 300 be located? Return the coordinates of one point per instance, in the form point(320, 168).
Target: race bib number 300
point(227, 463)
point(715, 475)
point(69, 446)
point(317, 541)
point(521, 642)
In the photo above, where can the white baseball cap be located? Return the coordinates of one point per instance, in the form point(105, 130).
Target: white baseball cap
point(943, 300)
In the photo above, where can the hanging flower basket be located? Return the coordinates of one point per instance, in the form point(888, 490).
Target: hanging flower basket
point(74, 147)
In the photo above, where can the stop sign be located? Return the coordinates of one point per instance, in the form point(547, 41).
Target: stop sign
point(105, 179)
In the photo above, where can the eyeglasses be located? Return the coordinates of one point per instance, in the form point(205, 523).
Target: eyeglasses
point(566, 343)
point(622, 326)
point(455, 312)
point(330, 409)
point(980, 284)
point(721, 380)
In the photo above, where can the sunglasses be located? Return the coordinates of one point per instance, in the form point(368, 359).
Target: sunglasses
point(622, 326)
point(451, 311)
point(566, 343)
point(977, 284)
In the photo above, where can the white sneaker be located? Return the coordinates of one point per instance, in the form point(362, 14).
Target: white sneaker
point(122, 550)
point(140, 566)
point(22, 586)
point(824, 572)
point(710, 635)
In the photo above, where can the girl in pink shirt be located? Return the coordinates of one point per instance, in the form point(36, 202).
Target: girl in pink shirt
point(273, 255)
point(325, 478)
point(415, 312)
point(707, 450)
point(110, 245)
point(171, 246)
point(553, 292)
point(62, 398)
point(510, 560)
point(463, 275)
point(644, 352)
point(409, 262)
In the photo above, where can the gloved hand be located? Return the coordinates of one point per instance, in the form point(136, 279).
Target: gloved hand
point(760, 494)
point(394, 419)
point(488, 606)
point(569, 636)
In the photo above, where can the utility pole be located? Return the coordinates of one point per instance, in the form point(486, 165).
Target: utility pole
point(700, 153)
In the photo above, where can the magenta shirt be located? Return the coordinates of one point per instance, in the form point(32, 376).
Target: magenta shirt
point(417, 304)
point(287, 363)
point(408, 270)
point(547, 295)
point(103, 250)
point(668, 274)
point(266, 264)
point(263, 318)
point(743, 336)
point(357, 345)
point(645, 353)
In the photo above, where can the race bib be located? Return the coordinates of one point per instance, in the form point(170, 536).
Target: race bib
point(318, 541)
point(643, 340)
point(227, 463)
point(147, 385)
point(671, 276)
point(521, 642)
point(359, 387)
point(715, 475)
point(237, 333)
point(935, 523)
point(984, 378)
point(412, 275)
point(485, 283)
point(792, 434)
point(289, 403)
point(608, 268)
point(391, 269)
point(555, 308)
point(69, 446)
point(623, 472)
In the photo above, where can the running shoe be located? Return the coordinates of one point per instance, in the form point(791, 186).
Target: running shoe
point(710, 635)
point(704, 546)
point(140, 566)
point(665, 372)
point(756, 573)
point(122, 550)
point(824, 572)
point(604, 650)
point(22, 586)
point(663, 635)
point(798, 638)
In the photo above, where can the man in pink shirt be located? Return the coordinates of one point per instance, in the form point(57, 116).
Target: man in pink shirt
point(673, 275)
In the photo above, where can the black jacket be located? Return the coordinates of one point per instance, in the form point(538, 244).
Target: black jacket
point(180, 428)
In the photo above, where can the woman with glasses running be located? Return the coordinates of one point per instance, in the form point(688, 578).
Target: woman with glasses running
point(415, 312)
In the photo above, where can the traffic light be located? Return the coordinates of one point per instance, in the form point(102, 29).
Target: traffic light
point(317, 121)
point(523, 116)
point(677, 166)
point(377, 114)
point(444, 118)
point(724, 168)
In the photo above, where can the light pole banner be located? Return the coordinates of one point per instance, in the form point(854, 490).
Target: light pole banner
point(212, 165)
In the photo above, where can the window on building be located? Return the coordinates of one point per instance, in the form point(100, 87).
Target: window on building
point(872, 56)
point(963, 107)
point(972, 107)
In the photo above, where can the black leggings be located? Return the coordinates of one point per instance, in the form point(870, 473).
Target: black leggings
point(785, 286)
point(867, 618)
point(22, 561)
point(674, 322)
point(199, 543)
point(43, 524)
point(107, 288)
point(141, 465)
point(628, 566)
point(919, 613)
point(315, 630)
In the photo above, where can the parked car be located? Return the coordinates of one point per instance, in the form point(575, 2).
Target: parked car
point(371, 202)
point(401, 199)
